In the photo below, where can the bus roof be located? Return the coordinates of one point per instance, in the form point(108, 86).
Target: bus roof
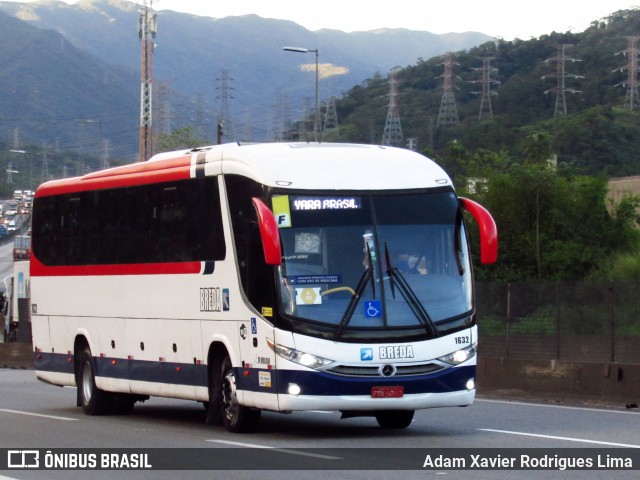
point(305, 166)
point(331, 166)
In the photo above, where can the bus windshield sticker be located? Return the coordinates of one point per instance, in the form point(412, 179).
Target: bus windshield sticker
point(373, 309)
point(308, 242)
point(281, 210)
point(314, 279)
point(308, 296)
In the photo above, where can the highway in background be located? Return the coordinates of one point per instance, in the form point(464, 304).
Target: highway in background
point(6, 262)
point(36, 415)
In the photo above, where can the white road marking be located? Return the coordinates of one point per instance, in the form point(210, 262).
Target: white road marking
point(553, 437)
point(586, 409)
point(283, 450)
point(53, 417)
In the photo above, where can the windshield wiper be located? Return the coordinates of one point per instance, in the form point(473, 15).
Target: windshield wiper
point(367, 275)
point(396, 278)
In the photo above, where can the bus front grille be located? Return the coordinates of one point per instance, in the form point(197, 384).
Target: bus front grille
point(375, 370)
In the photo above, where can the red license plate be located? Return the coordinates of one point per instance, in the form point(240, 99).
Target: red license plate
point(387, 392)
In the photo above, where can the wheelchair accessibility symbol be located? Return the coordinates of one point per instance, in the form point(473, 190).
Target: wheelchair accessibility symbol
point(373, 309)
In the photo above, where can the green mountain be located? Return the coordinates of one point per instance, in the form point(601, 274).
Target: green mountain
point(596, 132)
point(98, 76)
point(49, 87)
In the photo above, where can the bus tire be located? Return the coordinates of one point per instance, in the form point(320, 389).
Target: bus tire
point(395, 418)
point(93, 400)
point(122, 404)
point(213, 407)
point(235, 417)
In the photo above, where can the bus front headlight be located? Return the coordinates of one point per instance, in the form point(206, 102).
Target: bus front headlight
point(296, 356)
point(459, 356)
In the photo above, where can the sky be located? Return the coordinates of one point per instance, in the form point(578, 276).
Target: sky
point(507, 19)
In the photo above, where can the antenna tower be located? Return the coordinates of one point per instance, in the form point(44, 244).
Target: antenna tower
point(561, 74)
point(631, 99)
point(486, 111)
point(448, 113)
point(392, 134)
point(147, 32)
point(224, 117)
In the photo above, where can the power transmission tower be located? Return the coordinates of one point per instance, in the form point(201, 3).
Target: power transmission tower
point(561, 74)
point(278, 122)
point(104, 163)
point(163, 113)
point(430, 131)
point(486, 110)
point(392, 134)
point(44, 174)
point(16, 149)
point(330, 117)
point(631, 99)
point(306, 128)
point(147, 32)
point(224, 117)
point(448, 113)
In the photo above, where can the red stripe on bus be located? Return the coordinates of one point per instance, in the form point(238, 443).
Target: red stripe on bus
point(38, 269)
point(142, 173)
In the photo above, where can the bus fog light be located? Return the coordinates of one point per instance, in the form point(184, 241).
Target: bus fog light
point(471, 384)
point(294, 389)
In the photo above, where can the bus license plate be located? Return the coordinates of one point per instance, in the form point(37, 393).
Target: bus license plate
point(387, 392)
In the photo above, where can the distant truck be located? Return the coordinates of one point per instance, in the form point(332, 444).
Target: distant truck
point(21, 247)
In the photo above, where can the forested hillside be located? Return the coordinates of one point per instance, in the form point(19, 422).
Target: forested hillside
point(598, 132)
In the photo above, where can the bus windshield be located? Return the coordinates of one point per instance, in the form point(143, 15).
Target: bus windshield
point(367, 266)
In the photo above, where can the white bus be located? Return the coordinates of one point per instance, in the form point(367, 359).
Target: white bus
point(277, 277)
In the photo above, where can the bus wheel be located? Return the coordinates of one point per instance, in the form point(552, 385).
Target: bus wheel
point(394, 418)
point(93, 400)
point(235, 417)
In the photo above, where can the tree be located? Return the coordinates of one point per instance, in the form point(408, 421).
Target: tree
point(553, 225)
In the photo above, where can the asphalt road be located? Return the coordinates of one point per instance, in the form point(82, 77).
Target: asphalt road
point(37, 415)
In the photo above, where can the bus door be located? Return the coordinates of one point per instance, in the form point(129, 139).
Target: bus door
point(258, 360)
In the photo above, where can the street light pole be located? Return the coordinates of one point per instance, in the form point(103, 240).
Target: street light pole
point(316, 125)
